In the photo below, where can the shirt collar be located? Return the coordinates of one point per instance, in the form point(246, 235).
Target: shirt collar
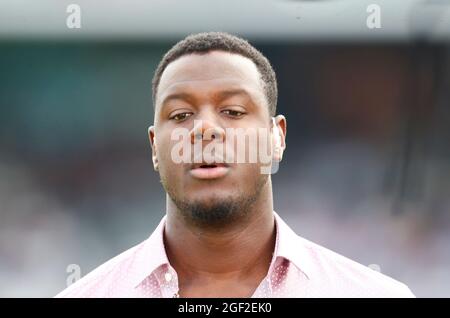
point(292, 247)
point(153, 253)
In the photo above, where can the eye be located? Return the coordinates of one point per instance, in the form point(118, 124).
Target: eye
point(233, 113)
point(181, 116)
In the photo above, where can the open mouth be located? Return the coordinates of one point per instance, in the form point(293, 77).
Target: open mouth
point(209, 166)
point(205, 165)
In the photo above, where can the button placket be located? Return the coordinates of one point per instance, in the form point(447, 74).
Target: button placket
point(169, 282)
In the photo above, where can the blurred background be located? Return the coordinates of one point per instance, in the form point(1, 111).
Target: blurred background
point(367, 167)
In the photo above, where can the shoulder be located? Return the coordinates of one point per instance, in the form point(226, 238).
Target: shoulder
point(343, 277)
point(105, 280)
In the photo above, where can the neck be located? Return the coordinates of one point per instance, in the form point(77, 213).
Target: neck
point(243, 249)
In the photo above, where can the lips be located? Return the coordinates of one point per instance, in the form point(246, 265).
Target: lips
point(209, 171)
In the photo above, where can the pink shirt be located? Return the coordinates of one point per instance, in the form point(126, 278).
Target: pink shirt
point(299, 268)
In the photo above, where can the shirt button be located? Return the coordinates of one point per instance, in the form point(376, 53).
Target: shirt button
point(168, 277)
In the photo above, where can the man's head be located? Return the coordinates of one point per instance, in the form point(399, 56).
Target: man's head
point(225, 83)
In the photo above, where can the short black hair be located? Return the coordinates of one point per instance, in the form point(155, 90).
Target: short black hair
point(202, 43)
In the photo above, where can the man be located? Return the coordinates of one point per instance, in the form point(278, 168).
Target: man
point(220, 236)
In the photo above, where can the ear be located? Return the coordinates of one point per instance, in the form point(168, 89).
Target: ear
point(279, 136)
point(151, 137)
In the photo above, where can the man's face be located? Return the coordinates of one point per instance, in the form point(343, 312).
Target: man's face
point(222, 90)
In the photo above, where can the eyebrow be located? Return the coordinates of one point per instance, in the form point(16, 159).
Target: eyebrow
point(232, 92)
point(182, 96)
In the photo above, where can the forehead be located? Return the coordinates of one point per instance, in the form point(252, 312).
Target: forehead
point(209, 73)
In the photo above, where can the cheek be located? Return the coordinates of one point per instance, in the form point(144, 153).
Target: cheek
point(167, 166)
point(245, 175)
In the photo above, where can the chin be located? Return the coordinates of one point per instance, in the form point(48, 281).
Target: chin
point(212, 199)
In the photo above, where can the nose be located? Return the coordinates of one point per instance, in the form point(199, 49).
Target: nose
point(207, 129)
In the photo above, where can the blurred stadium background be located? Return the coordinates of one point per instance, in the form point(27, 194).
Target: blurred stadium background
point(367, 167)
